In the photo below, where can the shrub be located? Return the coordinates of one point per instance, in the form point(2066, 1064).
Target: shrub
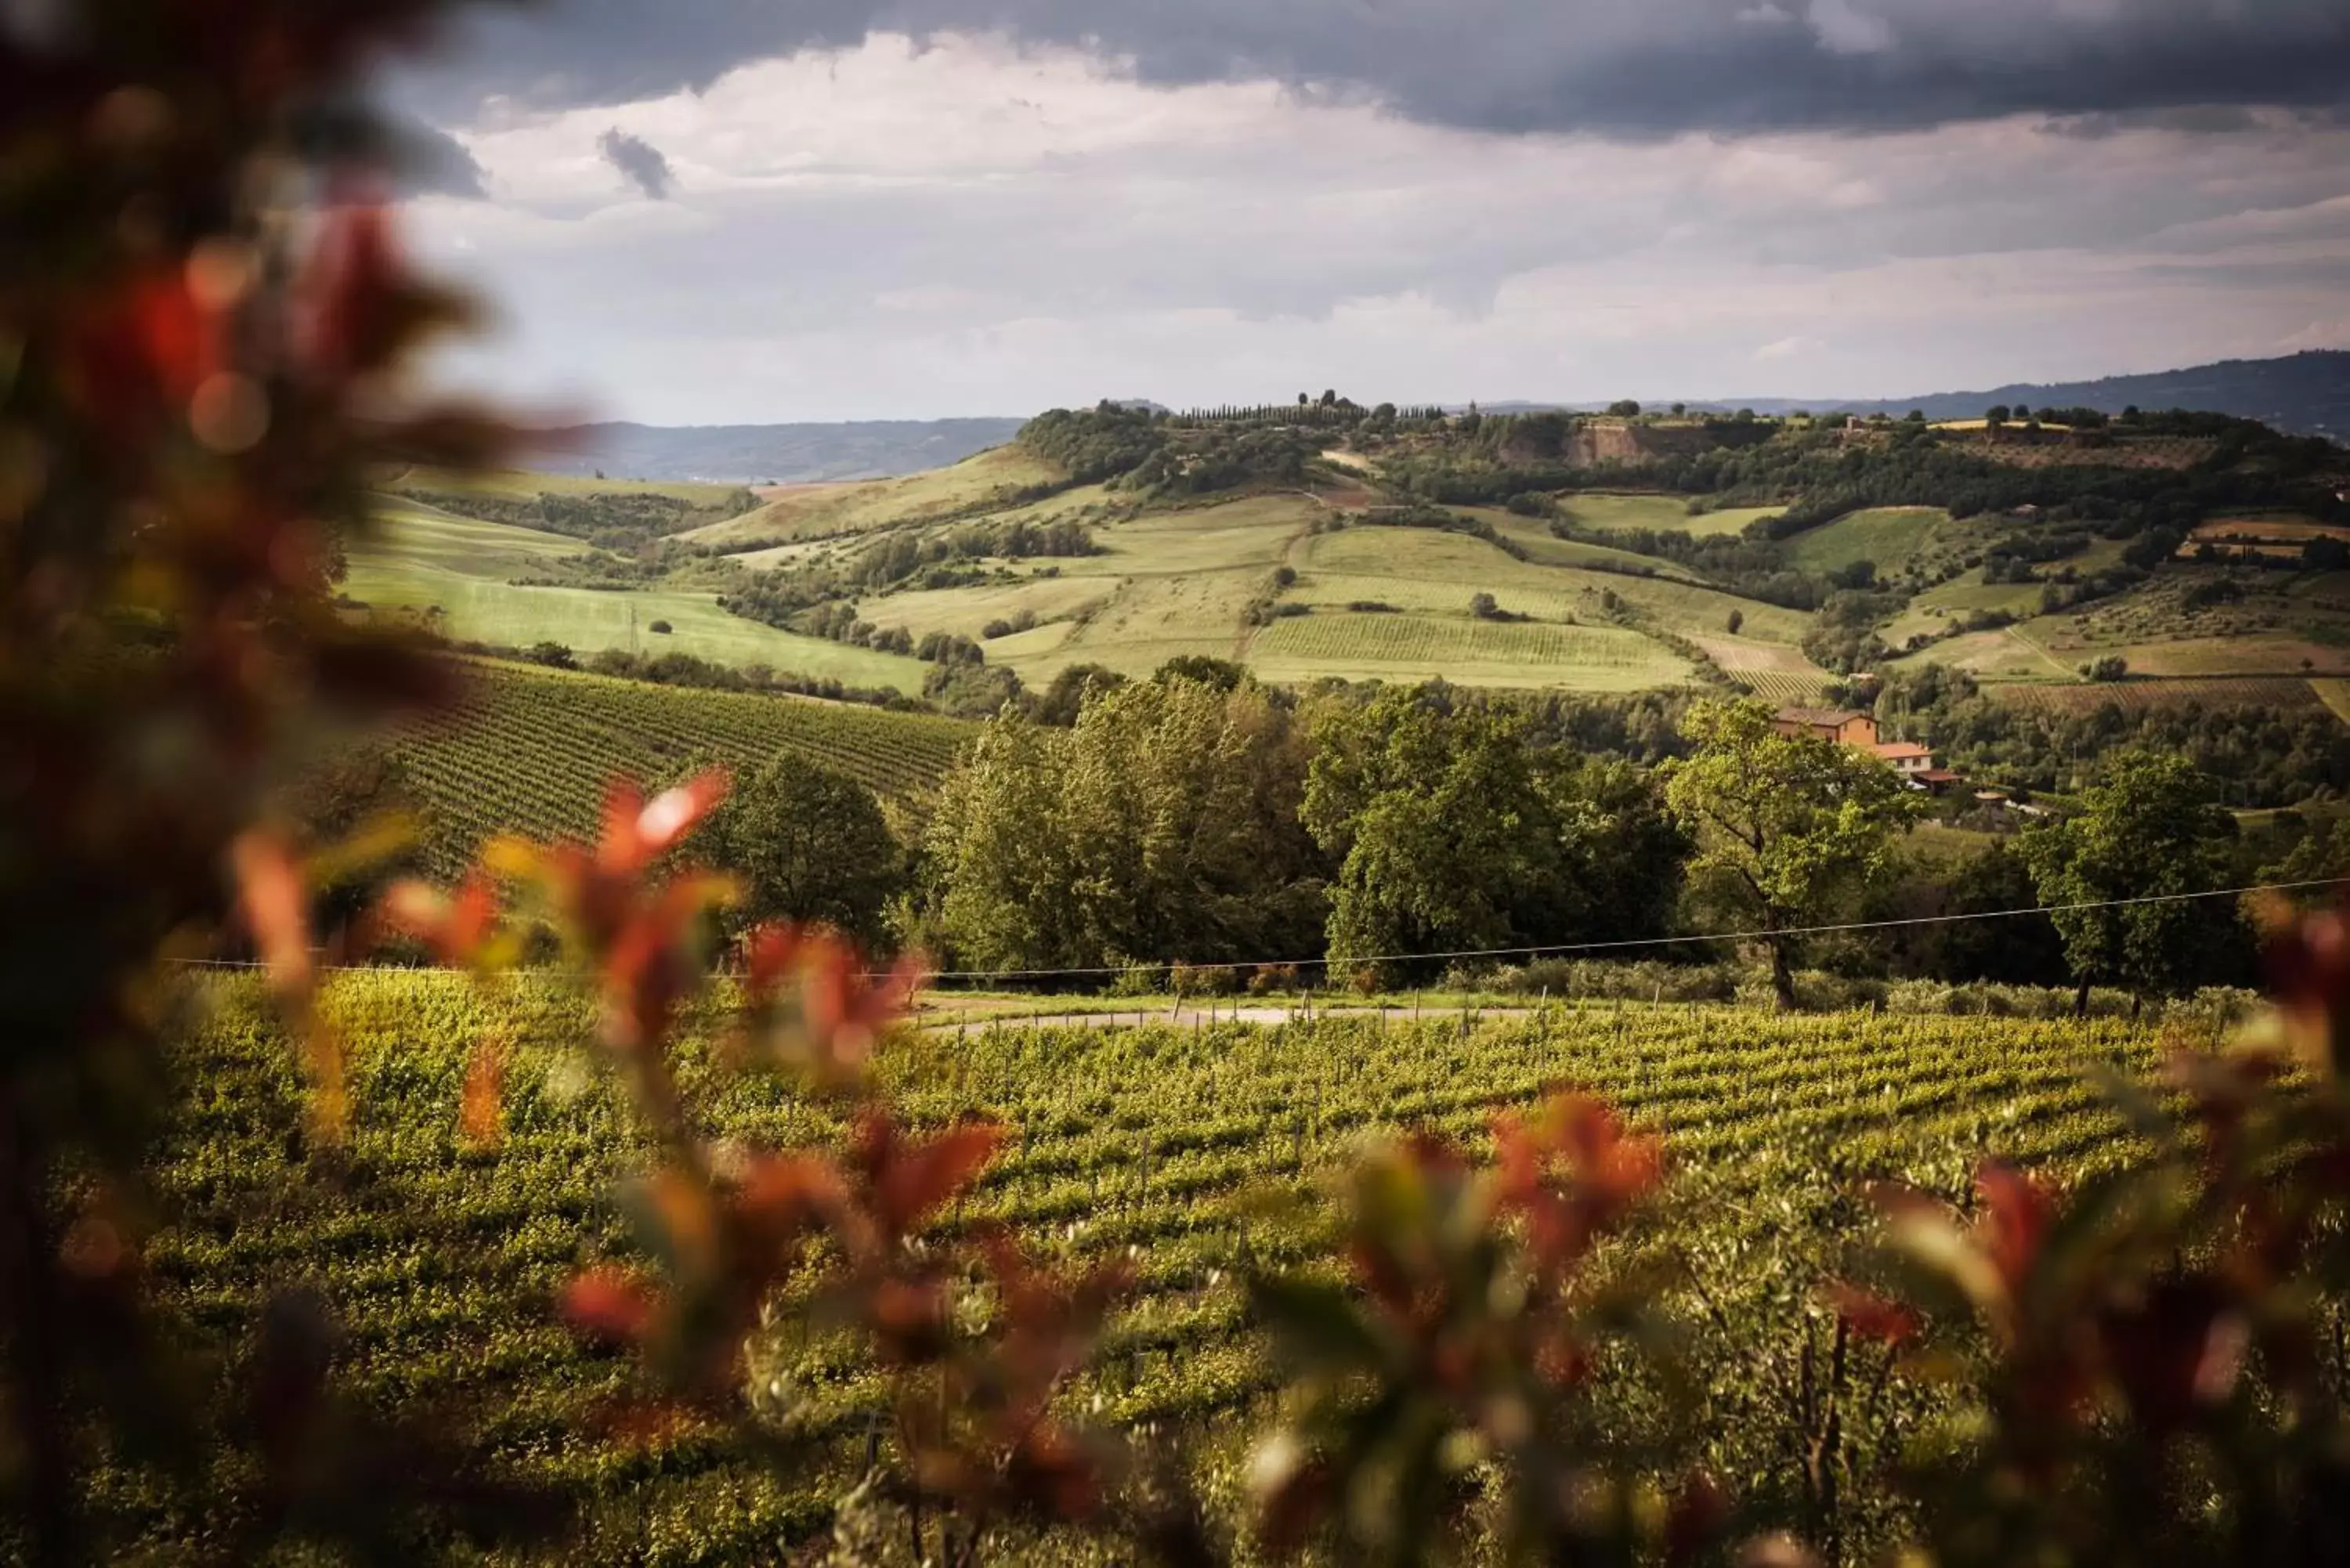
point(1272, 979)
point(660, 628)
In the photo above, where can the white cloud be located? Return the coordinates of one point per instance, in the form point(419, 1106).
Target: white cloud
point(1785, 348)
point(1843, 28)
point(976, 228)
point(2330, 334)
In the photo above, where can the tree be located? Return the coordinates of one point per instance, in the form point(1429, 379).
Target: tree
point(2149, 828)
point(1787, 827)
point(1625, 408)
point(1164, 825)
point(1737, 620)
point(1223, 674)
point(1485, 607)
point(1059, 703)
point(1455, 830)
point(1996, 415)
point(2012, 948)
point(808, 844)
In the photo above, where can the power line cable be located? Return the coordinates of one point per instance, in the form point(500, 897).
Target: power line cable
point(1546, 949)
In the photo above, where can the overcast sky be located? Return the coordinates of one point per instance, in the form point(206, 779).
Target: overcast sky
point(736, 210)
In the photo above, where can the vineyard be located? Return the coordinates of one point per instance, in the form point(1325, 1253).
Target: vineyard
point(1178, 1143)
point(2285, 691)
point(528, 751)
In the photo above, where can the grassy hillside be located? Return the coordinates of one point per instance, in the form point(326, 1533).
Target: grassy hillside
point(1609, 512)
point(456, 574)
point(524, 484)
point(811, 510)
point(2187, 622)
point(1324, 541)
point(530, 750)
point(1890, 536)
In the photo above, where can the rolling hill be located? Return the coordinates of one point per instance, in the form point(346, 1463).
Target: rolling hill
point(1334, 542)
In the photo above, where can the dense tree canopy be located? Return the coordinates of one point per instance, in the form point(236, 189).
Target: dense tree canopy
point(1164, 824)
point(1455, 831)
point(806, 843)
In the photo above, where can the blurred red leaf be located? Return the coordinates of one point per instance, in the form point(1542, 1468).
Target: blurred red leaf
point(1873, 1316)
point(608, 1305)
point(2016, 1214)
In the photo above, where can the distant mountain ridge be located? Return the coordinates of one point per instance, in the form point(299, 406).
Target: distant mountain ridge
point(2305, 394)
point(759, 454)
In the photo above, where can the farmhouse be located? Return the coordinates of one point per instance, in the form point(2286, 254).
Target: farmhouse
point(1845, 726)
point(1850, 727)
point(1907, 758)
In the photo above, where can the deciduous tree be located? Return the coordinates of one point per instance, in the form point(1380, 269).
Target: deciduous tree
point(806, 843)
point(1787, 827)
point(2150, 827)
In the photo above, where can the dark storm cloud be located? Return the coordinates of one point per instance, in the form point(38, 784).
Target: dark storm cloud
point(638, 160)
point(1625, 69)
point(430, 162)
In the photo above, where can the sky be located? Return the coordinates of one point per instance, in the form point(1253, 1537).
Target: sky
point(739, 211)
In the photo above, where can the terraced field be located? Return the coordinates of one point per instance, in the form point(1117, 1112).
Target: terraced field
point(529, 750)
point(1159, 1144)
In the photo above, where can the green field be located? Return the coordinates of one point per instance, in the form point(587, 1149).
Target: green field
point(1889, 535)
point(454, 574)
point(1605, 510)
point(1183, 574)
point(1467, 651)
point(525, 749)
point(1534, 538)
point(440, 1261)
point(810, 511)
point(1419, 568)
point(2276, 627)
point(1934, 611)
